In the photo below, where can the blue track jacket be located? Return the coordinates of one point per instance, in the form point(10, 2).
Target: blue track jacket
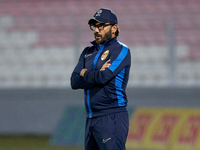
point(104, 90)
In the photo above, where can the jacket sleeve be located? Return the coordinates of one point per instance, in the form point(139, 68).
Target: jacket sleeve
point(120, 59)
point(78, 82)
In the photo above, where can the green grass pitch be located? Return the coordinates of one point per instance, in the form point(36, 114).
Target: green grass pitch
point(29, 142)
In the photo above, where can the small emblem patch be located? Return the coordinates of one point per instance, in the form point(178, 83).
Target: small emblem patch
point(104, 55)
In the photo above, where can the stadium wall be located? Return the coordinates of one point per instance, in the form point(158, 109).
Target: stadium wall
point(37, 111)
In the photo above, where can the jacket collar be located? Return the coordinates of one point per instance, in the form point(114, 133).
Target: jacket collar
point(108, 42)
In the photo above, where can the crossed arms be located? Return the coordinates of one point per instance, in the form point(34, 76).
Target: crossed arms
point(105, 65)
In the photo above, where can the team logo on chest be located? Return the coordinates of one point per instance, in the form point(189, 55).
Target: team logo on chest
point(104, 55)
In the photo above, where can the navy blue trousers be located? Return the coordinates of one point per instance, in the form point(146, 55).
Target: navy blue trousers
point(107, 132)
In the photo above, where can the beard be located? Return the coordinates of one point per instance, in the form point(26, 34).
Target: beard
point(102, 39)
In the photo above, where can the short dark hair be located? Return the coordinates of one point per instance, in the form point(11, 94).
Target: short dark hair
point(117, 32)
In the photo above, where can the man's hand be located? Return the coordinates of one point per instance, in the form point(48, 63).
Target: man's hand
point(83, 72)
point(105, 65)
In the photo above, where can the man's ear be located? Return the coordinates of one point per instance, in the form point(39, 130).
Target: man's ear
point(114, 28)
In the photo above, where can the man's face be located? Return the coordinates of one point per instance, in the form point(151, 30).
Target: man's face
point(102, 34)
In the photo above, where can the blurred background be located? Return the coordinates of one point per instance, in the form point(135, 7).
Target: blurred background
point(41, 41)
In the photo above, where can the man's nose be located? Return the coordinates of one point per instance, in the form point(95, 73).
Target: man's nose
point(96, 29)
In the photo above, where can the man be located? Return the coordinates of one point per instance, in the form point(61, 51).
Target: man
point(103, 72)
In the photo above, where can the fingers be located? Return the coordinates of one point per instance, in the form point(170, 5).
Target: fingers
point(105, 65)
point(83, 72)
point(108, 61)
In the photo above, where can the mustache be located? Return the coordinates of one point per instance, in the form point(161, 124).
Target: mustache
point(96, 34)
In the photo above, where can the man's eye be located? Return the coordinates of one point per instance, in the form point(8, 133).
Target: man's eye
point(98, 26)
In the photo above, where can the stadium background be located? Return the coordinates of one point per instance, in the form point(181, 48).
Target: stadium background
point(41, 40)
